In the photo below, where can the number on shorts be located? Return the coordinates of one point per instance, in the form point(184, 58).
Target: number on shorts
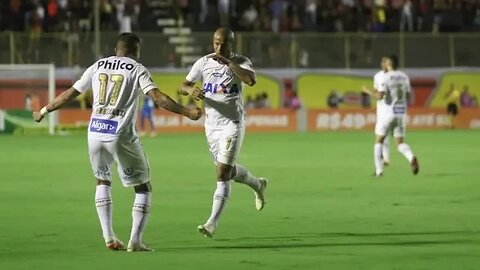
point(117, 80)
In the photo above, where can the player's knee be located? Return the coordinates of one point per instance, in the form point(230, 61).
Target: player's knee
point(143, 188)
point(224, 172)
point(103, 182)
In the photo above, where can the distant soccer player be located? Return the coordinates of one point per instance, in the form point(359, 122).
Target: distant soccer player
point(377, 79)
point(117, 82)
point(394, 93)
point(223, 74)
point(148, 109)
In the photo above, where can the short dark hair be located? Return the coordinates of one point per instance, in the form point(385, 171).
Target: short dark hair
point(394, 59)
point(130, 39)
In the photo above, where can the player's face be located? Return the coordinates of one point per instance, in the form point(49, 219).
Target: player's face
point(384, 63)
point(222, 45)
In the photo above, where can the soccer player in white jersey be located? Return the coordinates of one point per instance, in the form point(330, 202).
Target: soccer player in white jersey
point(393, 94)
point(117, 83)
point(224, 74)
point(377, 79)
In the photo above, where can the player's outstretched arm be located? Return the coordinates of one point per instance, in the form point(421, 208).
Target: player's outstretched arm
point(169, 104)
point(66, 97)
point(189, 88)
point(247, 76)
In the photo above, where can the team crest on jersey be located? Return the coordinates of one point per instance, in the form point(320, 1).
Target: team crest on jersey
point(103, 126)
point(218, 74)
point(215, 88)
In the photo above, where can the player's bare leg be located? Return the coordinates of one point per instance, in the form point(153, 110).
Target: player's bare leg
point(103, 203)
point(377, 155)
point(220, 199)
point(408, 154)
point(242, 175)
point(386, 151)
point(140, 214)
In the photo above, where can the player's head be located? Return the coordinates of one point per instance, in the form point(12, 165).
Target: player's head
point(383, 63)
point(223, 40)
point(128, 44)
point(392, 62)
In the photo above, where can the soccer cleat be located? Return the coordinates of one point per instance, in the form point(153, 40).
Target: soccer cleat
point(377, 174)
point(135, 247)
point(260, 194)
point(386, 162)
point(415, 166)
point(115, 244)
point(206, 230)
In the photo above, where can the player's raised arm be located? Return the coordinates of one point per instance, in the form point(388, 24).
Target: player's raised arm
point(166, 102)
point(66, 97)
point(243, 70)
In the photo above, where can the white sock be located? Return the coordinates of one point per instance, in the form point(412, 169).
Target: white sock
point(220, 198)
point(406, 151)
point(377, 157)
point(103, 202)
point(140, 214)
point(245, 177)
point(386, 150)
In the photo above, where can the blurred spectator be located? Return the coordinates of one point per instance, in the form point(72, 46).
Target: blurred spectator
point(334, 100)
point(249, 19)
point(406, 22)
point(249, 103)
point(365, 100)
point(224, 12)
point(294, 102)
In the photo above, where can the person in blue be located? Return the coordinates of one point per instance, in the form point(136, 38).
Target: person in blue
point(148, 109)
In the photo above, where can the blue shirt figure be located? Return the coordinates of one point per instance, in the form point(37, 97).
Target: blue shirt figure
point(148, 109)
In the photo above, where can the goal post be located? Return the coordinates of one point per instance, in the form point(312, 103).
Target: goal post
point(27, 87)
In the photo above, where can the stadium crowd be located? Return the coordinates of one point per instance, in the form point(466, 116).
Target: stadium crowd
point(245, 15)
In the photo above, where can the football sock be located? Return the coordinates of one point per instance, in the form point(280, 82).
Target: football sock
point(377, 157)
point(220, 198)
point(103, 202)
point(386, 150)
point(245, 177)
point(406, 151)
point(140, 214)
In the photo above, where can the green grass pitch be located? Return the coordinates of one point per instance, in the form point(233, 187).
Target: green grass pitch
point(324, 209)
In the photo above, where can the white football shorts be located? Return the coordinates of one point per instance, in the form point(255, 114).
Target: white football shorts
point(225, 142)
point(132, 164)
point(395, 122)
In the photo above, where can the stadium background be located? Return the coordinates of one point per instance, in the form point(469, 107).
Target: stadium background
point(325, 211)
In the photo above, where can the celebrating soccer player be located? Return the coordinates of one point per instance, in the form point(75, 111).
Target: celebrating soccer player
point(224, 74)
point(117, 82)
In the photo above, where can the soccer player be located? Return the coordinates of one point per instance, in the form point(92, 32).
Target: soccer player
point(393, 95)
point(377, 79)
point(224, 74)
point(117, 82)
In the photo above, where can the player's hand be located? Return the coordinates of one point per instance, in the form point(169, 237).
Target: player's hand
point(37, 116)
point(365, 90)
point(197, 93)
point(221, 59)
point(195, 113)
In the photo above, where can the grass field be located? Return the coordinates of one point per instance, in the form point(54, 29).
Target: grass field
point(324, 209)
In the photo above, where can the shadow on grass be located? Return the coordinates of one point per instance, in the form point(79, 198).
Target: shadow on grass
point(311, 240)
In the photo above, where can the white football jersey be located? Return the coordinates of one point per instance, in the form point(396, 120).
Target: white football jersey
point(377, 81)
point(222, 89)
point(396, 86)
point(117, 83)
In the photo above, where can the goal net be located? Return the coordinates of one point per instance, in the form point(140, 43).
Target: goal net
point(23, 89)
